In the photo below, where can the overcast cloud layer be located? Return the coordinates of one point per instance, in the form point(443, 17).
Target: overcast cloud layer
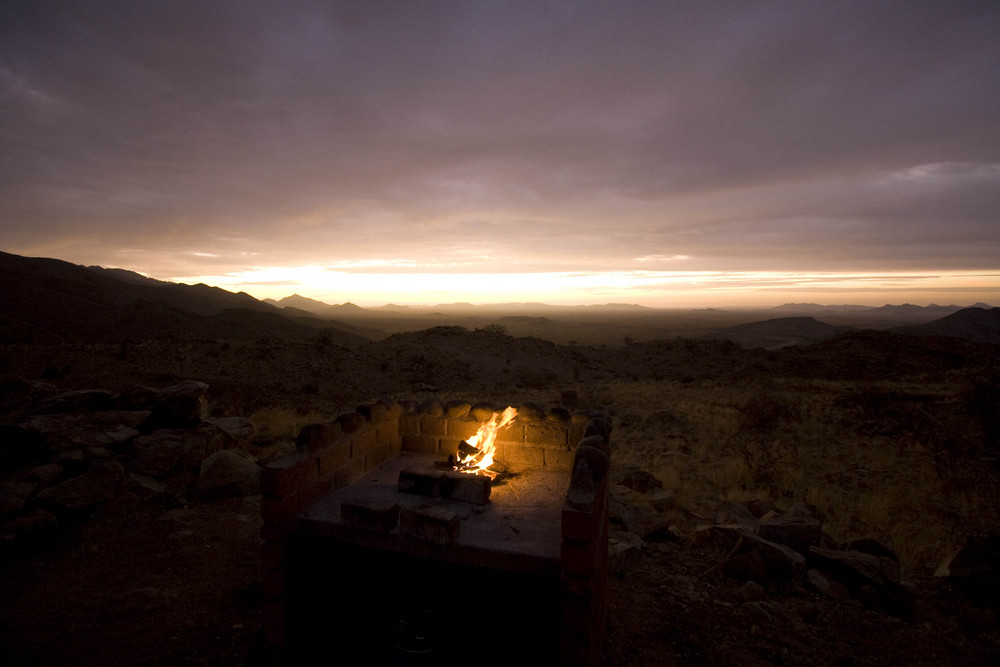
point(197, 138)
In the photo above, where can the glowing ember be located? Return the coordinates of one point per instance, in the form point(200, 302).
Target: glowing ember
point(477, 456)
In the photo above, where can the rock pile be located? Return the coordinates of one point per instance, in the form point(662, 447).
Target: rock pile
point(768, 552)
point(79, 451)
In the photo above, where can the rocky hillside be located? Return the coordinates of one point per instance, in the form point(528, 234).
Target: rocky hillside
point(977, 324)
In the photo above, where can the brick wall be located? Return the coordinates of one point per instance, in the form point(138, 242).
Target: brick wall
point(332, 455)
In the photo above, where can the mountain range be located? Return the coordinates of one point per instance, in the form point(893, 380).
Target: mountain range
point(50, 300)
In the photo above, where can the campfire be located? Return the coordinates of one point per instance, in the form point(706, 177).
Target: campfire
point(475, 455)
point(466, 475)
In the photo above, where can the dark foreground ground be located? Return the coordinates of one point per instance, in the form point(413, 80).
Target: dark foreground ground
point(156, 586)
point(167, 583)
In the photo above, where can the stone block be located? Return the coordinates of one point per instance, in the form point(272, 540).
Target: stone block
point(284, 509)
point(388, 430)
point(334, 456)
point(433, 425)
point(272, 555)
point(559, 459)
point(313, 438)
point(274, 622)
point(579, 525)
point(467, 487)
point(376, 456)
point(409, 424)
point(362, 441)
point(520, 456)
point(546, 434)
point(351, 421)
point(276, 532)
point(513, 432)
point(273, 582)
point(482, 412)
point(421, 444)
point(287, 474)
point(421, 481)
point(577, 557)
point(432, 407)
point(430, 524)
point(457, 409)
point(449, 447)
point(463, 430)
point(378, 514)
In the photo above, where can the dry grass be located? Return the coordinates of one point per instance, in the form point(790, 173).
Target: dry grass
point(866, 469)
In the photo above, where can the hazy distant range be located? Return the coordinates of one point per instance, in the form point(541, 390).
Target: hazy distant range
point(49, 300)
point(614, 323)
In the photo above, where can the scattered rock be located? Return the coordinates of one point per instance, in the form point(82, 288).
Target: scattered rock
point(664, 501)
point(751, 591)
point(872, 579)
point(734, 514)
point(640, 480)
point(795, 531)
point(624, 551)
point(81, 494)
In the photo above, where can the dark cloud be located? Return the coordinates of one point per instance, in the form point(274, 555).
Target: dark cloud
point(745, 136)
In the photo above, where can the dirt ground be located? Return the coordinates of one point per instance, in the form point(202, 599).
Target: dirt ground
point(166, 586)
point(140, 585)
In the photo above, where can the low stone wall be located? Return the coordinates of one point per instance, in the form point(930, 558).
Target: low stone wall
point(333, 455)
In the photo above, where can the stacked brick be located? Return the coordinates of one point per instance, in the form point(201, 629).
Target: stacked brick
point(330, 456)
point(584, 551)
point(333, 455)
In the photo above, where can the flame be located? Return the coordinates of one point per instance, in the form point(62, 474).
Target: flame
point(485, 441)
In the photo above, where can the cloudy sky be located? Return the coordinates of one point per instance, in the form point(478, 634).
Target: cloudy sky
point(663, 153)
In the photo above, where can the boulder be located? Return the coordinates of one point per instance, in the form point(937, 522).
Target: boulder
point(664, 501)
point(784, 565)
point(112, 429)
point(81, 400)
point(641, 481)
point(20, 446)
point(734, 514)
point(872, 579)
point(14, 496)
point(747, 567)
point(238, 430)
point(81, 494)
point(798, 532)
point(164, 452)
point(648, 524)
point(228, 473)
point(624, 552)
point(142, 487)
point(177, 406)
point(975, 568)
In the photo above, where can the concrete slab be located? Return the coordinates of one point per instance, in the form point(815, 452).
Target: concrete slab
point(517, 530)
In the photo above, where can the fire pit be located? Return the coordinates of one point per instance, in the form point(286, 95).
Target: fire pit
point(375, 543)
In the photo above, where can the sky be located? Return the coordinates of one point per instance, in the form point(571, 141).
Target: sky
point(667, 153)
